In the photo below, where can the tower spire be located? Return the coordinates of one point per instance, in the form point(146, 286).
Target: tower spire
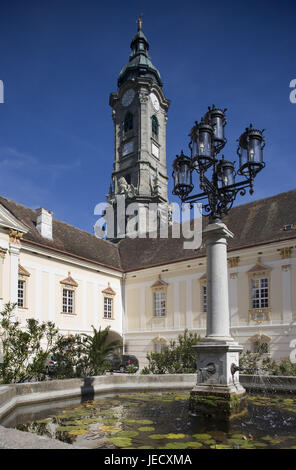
point(139, 64)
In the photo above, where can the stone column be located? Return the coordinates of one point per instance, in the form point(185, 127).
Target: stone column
point(218, 392)
point(215, 237)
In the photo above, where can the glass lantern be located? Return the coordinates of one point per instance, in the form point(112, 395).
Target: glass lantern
point(226, 173)
point(182, 175)
point(217, 119)
point(250, 152)
point(202, 151)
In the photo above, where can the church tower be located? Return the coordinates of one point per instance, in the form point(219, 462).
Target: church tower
point(139, 111)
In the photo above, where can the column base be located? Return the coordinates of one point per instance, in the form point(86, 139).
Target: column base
point(218, 402)
point(217, 393)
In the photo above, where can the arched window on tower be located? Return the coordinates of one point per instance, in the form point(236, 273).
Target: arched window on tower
point(155, 126)
point(128, 122)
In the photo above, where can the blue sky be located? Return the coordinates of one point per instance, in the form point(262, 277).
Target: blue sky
point(60, 60)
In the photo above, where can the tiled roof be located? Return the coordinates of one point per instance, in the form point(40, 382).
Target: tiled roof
point(254, 223)
point(66, 238)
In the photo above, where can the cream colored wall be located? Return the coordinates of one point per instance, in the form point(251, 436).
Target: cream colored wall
point(4, 267)
point(44, 292)
point(184, 310)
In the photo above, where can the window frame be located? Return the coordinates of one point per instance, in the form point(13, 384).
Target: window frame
point(108, 293)
point(260, 312)
point(23, 276)
point(128, 123)
point(107, 298)
point(69, 284)
point(154, 126)
point(24, 298)
point(160, 291)
point(203, 285)
point(68, 289)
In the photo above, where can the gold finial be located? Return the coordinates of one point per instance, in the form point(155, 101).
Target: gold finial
point(140, 22)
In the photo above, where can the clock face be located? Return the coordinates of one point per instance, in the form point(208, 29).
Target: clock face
point(128, 97)
point(154, 101)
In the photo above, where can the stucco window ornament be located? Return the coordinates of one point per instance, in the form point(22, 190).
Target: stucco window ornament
point(69, 287)
point(260, 343)
point(259, 293)
point(286, 252)
point(159, 293)
point(22, 287)
point(233, 261)
point(159, 343)
point(108, 302)
point(203, 293)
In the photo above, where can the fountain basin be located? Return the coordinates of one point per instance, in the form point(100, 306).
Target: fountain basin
point(13, 397)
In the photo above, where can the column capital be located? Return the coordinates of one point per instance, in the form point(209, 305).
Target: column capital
point(215, 231)
point(15, 236)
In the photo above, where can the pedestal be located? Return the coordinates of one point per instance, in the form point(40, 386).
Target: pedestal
point(217, 393)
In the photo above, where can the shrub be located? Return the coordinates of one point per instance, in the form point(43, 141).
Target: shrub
point(24, 350)
point(176, 358)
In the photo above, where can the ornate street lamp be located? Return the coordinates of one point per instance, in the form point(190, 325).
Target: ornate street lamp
point(219, 188)
point(217, 353)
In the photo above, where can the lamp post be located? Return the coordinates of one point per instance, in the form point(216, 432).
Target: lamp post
point(217, 353)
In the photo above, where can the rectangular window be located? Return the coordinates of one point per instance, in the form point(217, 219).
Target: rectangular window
point(259, 293)
point(68, 301)
point(259, 347)
point(21, 293)
point(159, 304)
point(204, 299)
point(158, 347)
point(108, 307)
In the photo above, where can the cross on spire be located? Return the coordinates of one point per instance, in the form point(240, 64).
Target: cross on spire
point(140, 22)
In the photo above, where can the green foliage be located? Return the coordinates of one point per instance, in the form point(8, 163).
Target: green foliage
point(25, 349)
point(96, 349)
point(176, 358)
point(250, 362)
point(68, 354)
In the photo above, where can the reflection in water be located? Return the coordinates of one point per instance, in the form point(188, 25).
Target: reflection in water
point(87, 389)
point(161, 421)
